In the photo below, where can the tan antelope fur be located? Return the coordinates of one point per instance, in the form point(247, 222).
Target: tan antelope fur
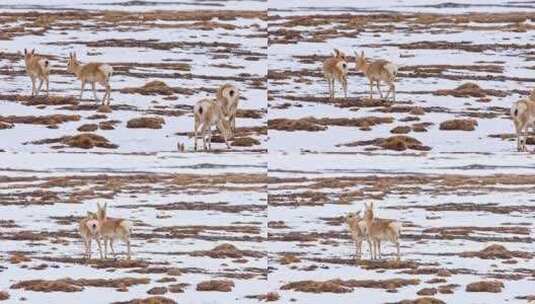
point(207, 113)
point(112, 229)
point(229, 97)
point(381, 230)
point(377, 71)
point(357, 228)
point(38, 68)
point(523, 114)
point(89, 229)
point(335, 69)
point(92, 73)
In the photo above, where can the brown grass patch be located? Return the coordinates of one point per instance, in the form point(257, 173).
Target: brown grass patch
point(485, 286)
point(53, 119)
point(215, 285)
point(470, 89)
point(459, 124)
point(155, 87)
point(147, 122)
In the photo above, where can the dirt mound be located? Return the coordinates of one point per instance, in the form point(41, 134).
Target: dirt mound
point(215, 285)
point(227, 251)
point(155, 87)
point(104, 109)
point(470, 89)
point(284, 124)
point(427, 292)
point(289, 259)
point(70, 285)
point(341, 286)
point(53, 119)
point(40, 100)
point(104, 264)
point(244, 142)
point(107, 125)
point(496, 252)
point(88, 128)
point(459, 124)
point(485, 286)
point(47, 286)
point(18, 258)
point(177, 288)
point(402, 143)
point(316, 287)
point(400, 130)
point(152, 122)
point(88, 141)
point(320, 124)
point(248, 113)
point(4, 295)
point(157, 290)
point(423, 300)
point(149, 300)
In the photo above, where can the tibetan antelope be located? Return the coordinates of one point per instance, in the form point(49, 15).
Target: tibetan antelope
point(92, 73)
point(335, 69)
point(113, 229)
point(381, 230)
point(357, 228)
point(229, 97)
point(208, 113)
point(523, 114)
point(377, 71)
point(38, 68)
point(89, 229)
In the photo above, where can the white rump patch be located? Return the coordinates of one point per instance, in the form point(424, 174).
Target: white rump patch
point(42, 63)
point(391, 68)
point(127, 225)
point(107, 70)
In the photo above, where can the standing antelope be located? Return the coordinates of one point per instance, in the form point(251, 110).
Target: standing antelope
point(89, 229)
point(113, 229)
point(37, 67)
point(229, 97)
point(377, 71)
point(381, 230)
point(335, 68)
point(357, 228)
point(208, 113)
point(93, 73)
point(523, 114)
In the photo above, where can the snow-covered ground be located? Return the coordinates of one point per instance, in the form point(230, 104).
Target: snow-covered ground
point(240, 214)
point(502, 63)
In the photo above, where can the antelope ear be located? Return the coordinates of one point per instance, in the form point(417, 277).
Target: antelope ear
point(105, 205)
point(371, 205)
point(362, 54)
point(358, 213)
point(25, 51)
point(88, 214)
point(33, 51)
point(99, 206)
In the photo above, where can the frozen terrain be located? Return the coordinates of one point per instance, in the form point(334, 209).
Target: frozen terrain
point(188, 53)
point(466, 218)
point(199, 218)
point(466, 60)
